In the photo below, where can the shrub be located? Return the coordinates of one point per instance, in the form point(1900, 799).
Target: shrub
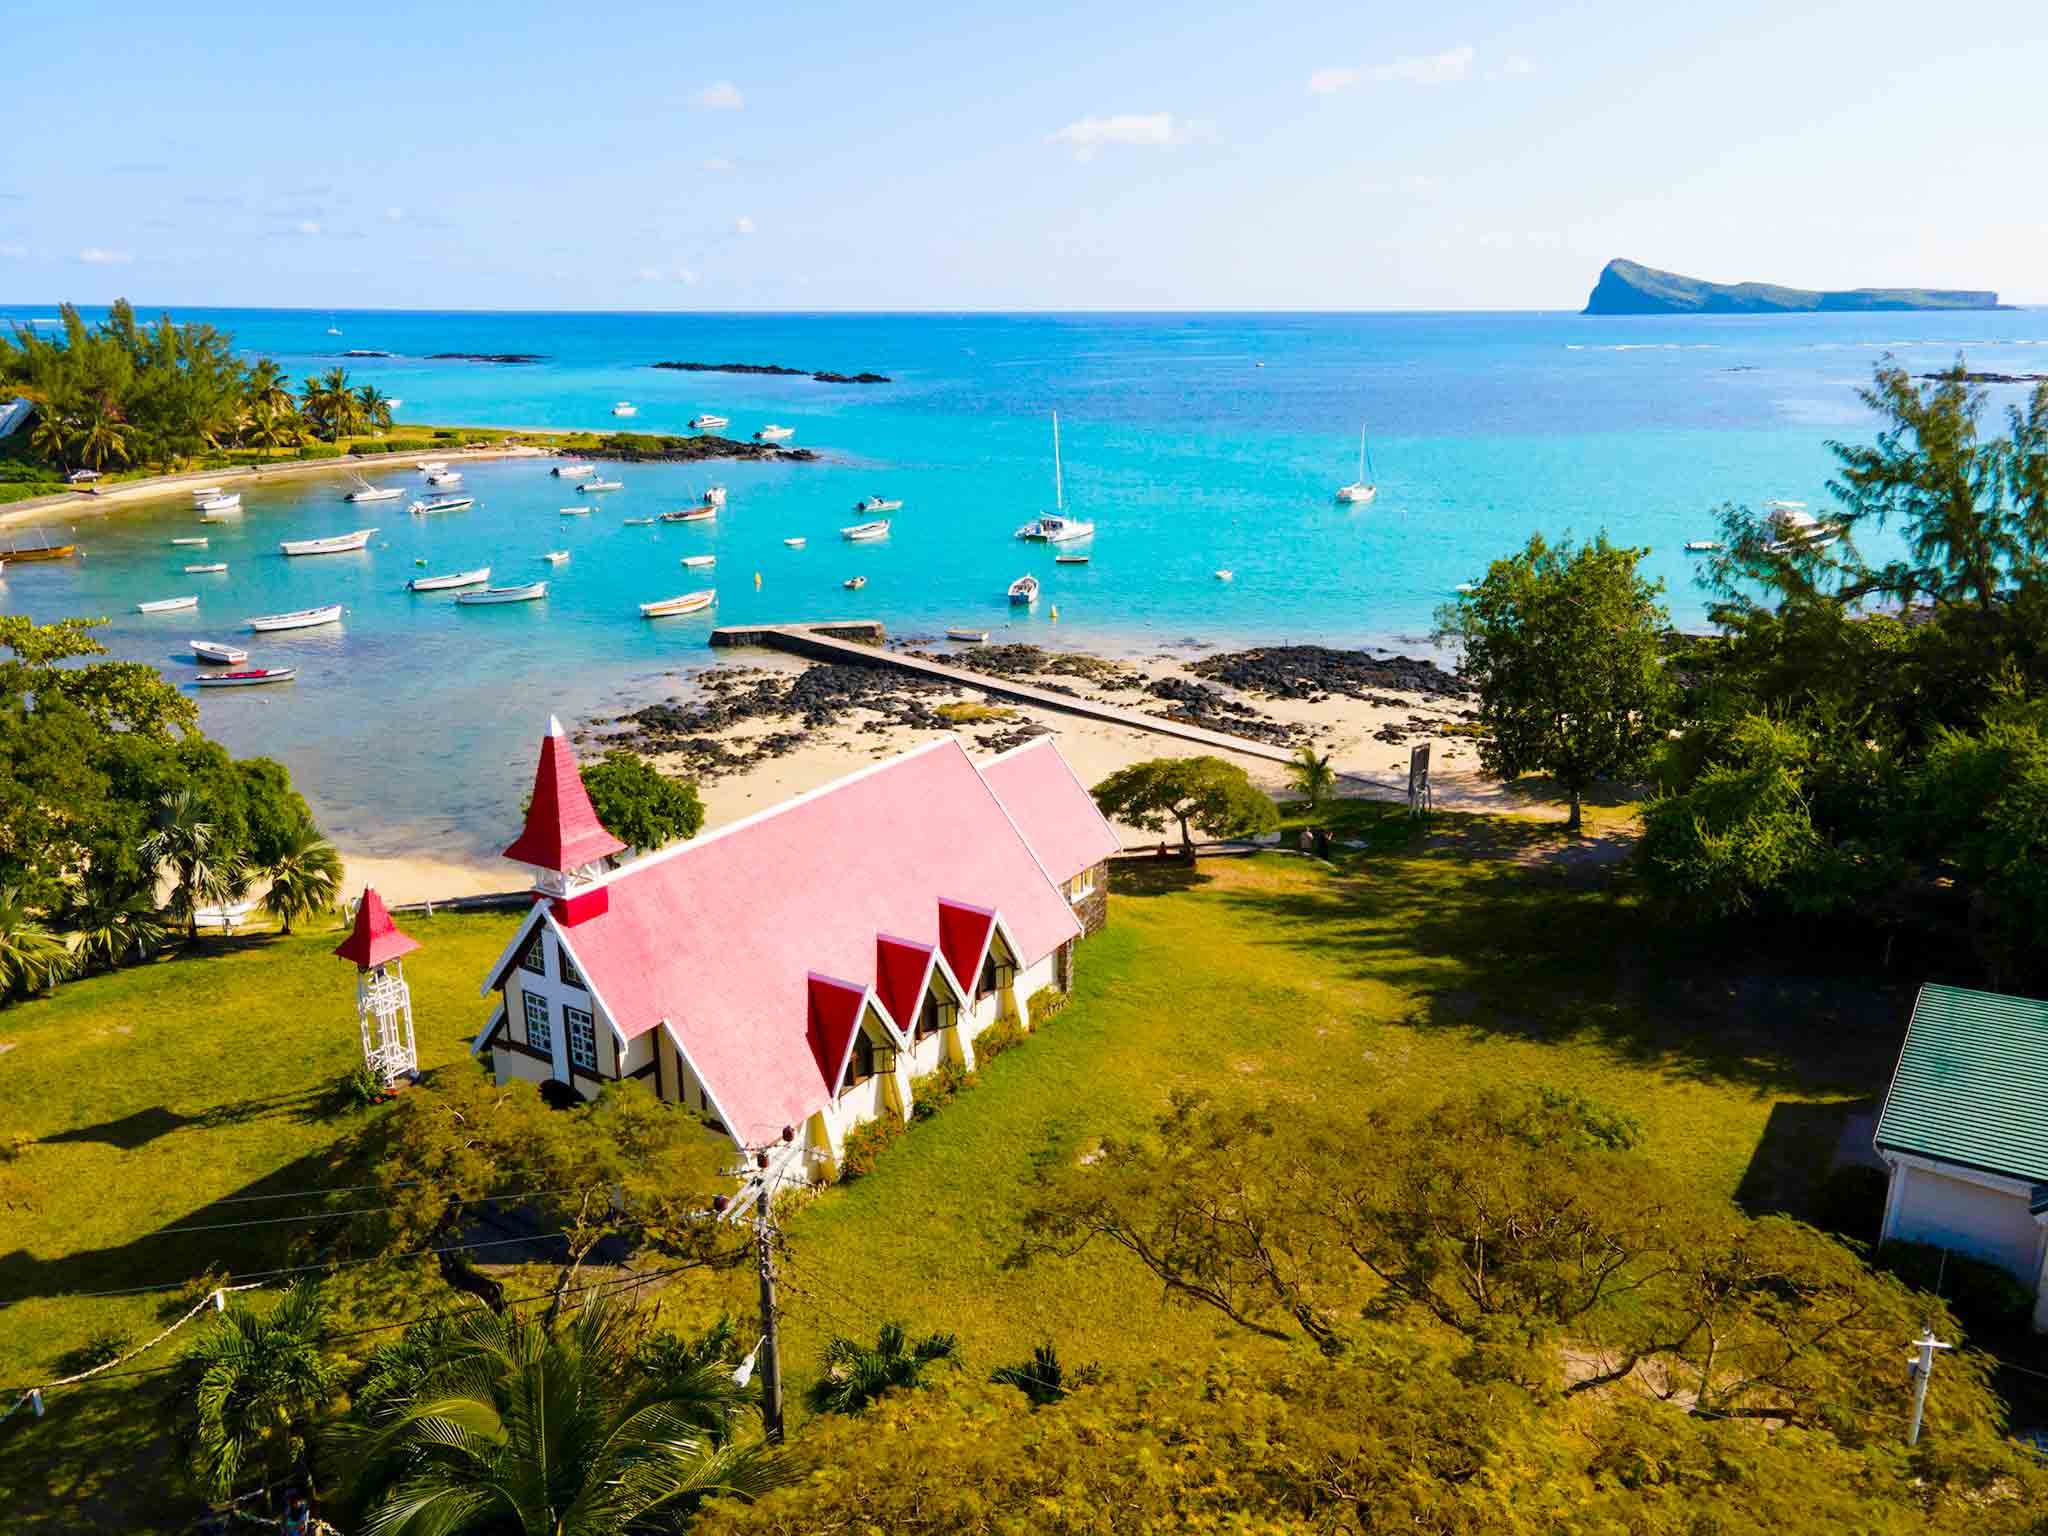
point(939, 1087)
point(998, 1038)
point(1043, 1379)
point(359, 1088)
point(1984, 1297)
point(103, 1348)
point(865, 1143)
point(1044, 1005)
point(320, 451)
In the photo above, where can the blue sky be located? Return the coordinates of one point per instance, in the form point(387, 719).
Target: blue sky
point(925, 156)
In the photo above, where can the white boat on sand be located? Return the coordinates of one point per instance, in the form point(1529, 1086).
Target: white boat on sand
point(168, 604)
point(529, 592)
point(1024, 590)
point(215, 650)
point(298, 618)
point(1361, 490)
point(689, 602)
point(861, 532)
point(475, 578)
point(338, 544)
point(254, 677)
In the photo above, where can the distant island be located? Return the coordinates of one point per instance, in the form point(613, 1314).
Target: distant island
point(486, 357)
point(1630, 288)
point(778, 370)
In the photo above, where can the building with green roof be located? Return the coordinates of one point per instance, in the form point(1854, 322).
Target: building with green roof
point(1964, 1131)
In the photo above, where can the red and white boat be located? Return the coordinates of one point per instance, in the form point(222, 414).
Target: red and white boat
point(690, 515)
point(249, 678)
point(689, 602)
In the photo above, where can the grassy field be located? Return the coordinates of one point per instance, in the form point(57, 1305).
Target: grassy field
point(1478, 952)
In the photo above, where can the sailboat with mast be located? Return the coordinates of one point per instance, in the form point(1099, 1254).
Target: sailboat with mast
point(1056, 527)
point(1361, 490)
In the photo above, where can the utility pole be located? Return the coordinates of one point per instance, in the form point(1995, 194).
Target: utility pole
point(760, 1176)
point(1921, 1368)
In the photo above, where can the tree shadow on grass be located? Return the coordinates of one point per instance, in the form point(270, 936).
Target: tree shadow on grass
point(133, 1131)
point(1155, 877)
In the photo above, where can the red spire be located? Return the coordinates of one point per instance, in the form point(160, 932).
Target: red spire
point(375, 938)
point(562, 831)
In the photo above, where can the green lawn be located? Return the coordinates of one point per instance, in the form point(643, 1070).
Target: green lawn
point(1478, 952)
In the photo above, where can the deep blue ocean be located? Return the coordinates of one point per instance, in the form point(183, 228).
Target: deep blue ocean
point(411, 725)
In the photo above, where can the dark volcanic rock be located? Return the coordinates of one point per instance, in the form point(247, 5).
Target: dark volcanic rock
point(819, 696)
point(632, 448)
point(777, 370)
point(1307, 671)
point(1199, 704)
point(851, 378)
point(486, 357)
point(1987, 378)
point(364, 352)
point(1035, 661)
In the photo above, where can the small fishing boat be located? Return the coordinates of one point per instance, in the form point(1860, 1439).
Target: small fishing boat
point(709, 423)
point(575, 511)
point(441, 504)
point(774, 434)
point(167, 605)
point(248, 679)
point(27, 554)
point(1702, 546)
point(1361, 490)
point(215, 650)
point(365, 491)
point(531, 591)
point(572, 469)
point(968, 636)
point(689, 602)
point(299, 618)
point(714, 496)
point(206, 492)
point(1226, 574)
point(854, 583)
point(625, 408)
point(338, 544)
point(862, 531)
point(475, 578)
point(441, 477)
point(231, 501)
point(600, 485)
point(636, 522)
point(200, 540)
point(695, 562)
point(690, 515)
point(878, 504)
point(206, 570)
point(555, 556)
point(795, 543)
point(1024, 590)
point(1069, 559)
point(431, 466)
point(1466, 588)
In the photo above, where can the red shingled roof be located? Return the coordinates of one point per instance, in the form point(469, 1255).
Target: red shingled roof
point(562, 831)
point(1052, 809)
point(728, 938)
point(375, 937)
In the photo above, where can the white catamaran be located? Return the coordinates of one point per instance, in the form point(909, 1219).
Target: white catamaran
point(1361, 490)
point(1056, 527)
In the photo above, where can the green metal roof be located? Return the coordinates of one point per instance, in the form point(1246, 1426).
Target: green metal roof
point(1972, 1083)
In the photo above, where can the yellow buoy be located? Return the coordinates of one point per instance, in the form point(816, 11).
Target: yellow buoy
point(757, 581)
point(1055, 613)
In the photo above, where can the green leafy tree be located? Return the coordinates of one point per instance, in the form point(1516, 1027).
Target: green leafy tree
point(856, 1374)
point(1562, 643)
point(1198, 794)
point(32, 959)
point(637, 803)
point(516, 1427)
point(259, 1381)
point(305, 877)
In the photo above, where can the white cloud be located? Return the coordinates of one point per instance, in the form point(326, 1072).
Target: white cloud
point(650, 274)
point(307, 226)
point(100, 256)
point(1086, 136)
point(1517, 64)
point(14, 252)
point(394, 215)
point(720, 96)
point(743, 225)
point(686, 277)
point(717, 163)
point(1446, 68)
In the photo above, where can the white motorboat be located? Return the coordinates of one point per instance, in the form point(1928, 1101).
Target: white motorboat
point(854, 583)
point(298, 618)
point(625, 408)
point(709, 423)
point(968, 636)
point(690, 515)
point(230, 501)
point(213, 569)
point(861, 532)
point(636, 522)
point(444, 477)
point(600, 485)
point(475, 578)
point(531, 591)
point(878, 504)
point(205, 492)
point(795, 543)
point(697, 562)
point(338, 544)
point(574, 511)
point(714, 496)
point(555, 556)
point(441, 504)
point(249, 679)
point(1069, 559)
point(214, 650)
point(1702, 546)
point(1361, 490)
point(774, 434)
point(1024, 590)
point(1224, 573)
point(689, 602)
point(168, 604)
point(1797, 528)
point(365, 491)
point(431, 466)
point(571, 470)
point(200, 540)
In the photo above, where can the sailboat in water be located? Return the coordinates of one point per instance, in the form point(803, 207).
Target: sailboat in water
point(1056, 527)
point(1361, 490)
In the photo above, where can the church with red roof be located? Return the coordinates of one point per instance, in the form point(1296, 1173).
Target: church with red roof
point(802, 968)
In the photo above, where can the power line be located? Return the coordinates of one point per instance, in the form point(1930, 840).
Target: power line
point(359, 1210)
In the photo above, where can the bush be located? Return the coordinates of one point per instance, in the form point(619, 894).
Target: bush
point(103, 1348)
point(359, 1088)
point(1984, 1297)
point(939, 1087)
point(1044, 1005)
point(998, 1038)
point(320, 451)
point(865, 1144)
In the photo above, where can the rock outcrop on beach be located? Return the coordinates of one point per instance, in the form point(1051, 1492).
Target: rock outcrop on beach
point(1311, 672)
point(1630, 288)
point(636, 448)
point(1968, 376)
point(777, 370)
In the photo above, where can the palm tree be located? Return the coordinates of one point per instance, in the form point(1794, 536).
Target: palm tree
point(1312, 777)
point(304, 877)
point(184, 839)
point(31, 957)
point(1043, 1378)
point(375, 407)
point(107, 920)
point(519, 1429)
point(856, 1375)
point(51, 436)
point(258, 1380)
point(266, 385)
point(103, 436)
